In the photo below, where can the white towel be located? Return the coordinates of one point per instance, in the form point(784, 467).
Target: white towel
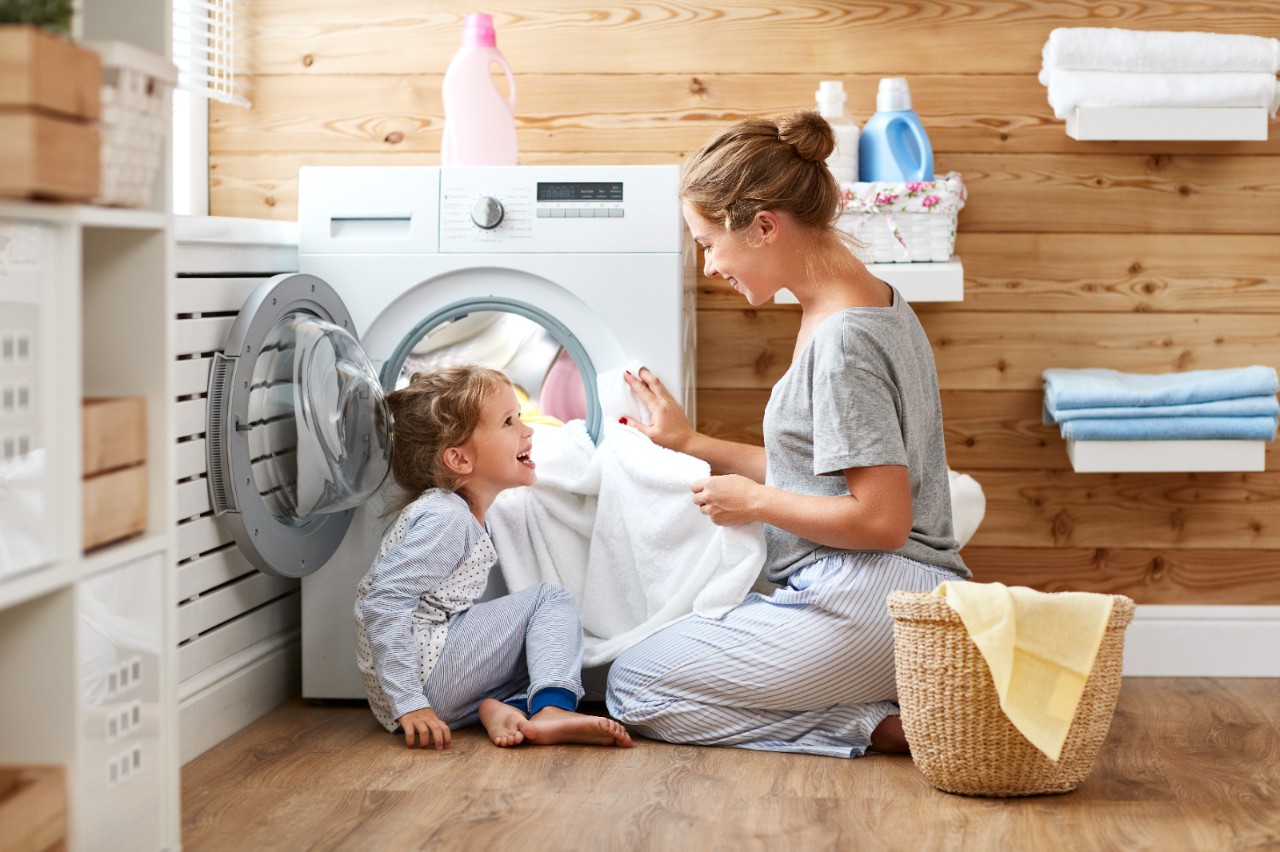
point(617, 399)
point(1114, 49)
point(616, 526)
point(1070, 89)
point(968, 506)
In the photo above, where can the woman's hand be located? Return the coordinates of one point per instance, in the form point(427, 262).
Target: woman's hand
point(729, 501)
point(426, 727)
point(668, 427)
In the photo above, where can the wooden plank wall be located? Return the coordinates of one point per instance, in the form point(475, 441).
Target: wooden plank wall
point(1147, 257)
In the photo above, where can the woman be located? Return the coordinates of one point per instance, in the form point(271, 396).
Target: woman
point(851, 483)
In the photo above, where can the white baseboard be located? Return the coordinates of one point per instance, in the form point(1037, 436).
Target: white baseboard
point(1203, 641)
point(216, 704)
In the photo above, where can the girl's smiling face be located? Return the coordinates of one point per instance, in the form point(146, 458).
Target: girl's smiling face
point(500, 445)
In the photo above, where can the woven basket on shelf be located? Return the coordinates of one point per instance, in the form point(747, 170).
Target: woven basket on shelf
point(136, 111)
point(925, 237)
point(961, 740)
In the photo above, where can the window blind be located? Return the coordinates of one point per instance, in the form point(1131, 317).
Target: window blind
point(204, 48)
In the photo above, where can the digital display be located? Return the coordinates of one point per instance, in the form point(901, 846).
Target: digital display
point(580, 191)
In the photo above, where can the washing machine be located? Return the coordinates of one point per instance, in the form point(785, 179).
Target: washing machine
point(554, 274)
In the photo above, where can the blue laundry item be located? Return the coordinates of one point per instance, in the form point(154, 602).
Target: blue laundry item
point(1171, 429)
point(1099, 388)
point(1247, 406)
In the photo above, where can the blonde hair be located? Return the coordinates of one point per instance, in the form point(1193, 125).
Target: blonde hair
point(766, 164)
point(436, 411)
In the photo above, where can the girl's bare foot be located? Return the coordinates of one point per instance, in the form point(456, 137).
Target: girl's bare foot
point(505, 724)
point(888, 737)
point(554, 726)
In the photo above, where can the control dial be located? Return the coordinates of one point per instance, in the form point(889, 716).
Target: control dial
point(487, 212)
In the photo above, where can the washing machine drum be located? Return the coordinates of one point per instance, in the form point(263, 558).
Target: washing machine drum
point(298, 430)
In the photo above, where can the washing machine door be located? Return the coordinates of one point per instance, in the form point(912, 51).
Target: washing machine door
point(298, 429)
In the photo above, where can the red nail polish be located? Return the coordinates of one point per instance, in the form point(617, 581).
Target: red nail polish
point(622, 420)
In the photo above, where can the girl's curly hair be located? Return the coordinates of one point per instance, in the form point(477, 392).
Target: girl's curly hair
point(436, 411)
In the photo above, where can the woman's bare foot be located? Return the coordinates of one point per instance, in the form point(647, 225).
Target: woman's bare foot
point(888, 737)
point(554, 726)
point(505, 724)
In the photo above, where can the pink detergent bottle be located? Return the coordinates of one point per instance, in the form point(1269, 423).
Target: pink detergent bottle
point(479, 123)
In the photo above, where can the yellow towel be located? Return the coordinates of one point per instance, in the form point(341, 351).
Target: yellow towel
point(1040, 649)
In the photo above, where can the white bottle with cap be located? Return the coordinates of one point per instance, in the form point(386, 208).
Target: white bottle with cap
point(843, 161)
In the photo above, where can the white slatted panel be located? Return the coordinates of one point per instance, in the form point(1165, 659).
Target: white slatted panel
point(199, 654)
point(220, 606)
point(226, 608)
point(213, 295)
point(211, 571)
point(191, 376)
point(192, 459)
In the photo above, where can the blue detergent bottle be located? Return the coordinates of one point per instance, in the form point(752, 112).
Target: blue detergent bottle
point(893, 146)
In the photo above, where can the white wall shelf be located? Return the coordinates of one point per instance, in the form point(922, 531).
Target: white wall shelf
point(1207, 124)
point(939, 281)
point(1166, 456)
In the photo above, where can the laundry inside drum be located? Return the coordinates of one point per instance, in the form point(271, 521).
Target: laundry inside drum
point(547, 379)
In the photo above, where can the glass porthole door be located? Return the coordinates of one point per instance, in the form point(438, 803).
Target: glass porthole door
point(298, 430)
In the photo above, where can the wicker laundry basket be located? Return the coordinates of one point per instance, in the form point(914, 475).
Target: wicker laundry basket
point(961, 740)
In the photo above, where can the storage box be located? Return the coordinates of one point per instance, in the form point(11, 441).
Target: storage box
point(39, 70)
point(115, 433)
point(50, 91)
point(115, 470)
point(33, 807)
point(904, 222)
point(136, 105)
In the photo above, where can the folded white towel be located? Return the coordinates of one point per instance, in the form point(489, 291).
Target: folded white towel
point(616, 526)
point(1114, 49)
point(1070, 89)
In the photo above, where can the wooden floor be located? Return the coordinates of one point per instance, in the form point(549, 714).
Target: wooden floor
point(1189, 764)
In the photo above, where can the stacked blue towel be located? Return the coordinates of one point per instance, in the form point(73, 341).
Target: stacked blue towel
point(1107, 405)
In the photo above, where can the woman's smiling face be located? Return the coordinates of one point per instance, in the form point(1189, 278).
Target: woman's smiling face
point(728, 255)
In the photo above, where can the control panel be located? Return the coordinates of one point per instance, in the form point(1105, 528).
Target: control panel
point(557, 209)
point(488, 209)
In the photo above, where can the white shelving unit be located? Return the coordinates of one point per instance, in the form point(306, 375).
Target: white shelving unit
point(1207, 124)
point(940, 281)
point(87, 641)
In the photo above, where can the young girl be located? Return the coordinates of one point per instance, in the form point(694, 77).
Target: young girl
point(432, 658)
point(851, 482)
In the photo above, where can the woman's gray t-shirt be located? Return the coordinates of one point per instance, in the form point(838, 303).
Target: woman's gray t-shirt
point(863, 392)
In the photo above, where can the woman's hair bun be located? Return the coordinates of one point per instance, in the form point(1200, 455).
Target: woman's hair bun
point(809, 134)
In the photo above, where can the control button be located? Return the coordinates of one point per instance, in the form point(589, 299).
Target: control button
point(487, 212)
point(572, 212)
point(616, 212)
point(544, 213)
point(601, 213)
point(557, 212)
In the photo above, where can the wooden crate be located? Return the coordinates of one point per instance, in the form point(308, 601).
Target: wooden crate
point(50, 96)
point(42, 156)
point(39, 70)
point(115, 506)
point(33, 807)
point(115, 432)
point(115, 470)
